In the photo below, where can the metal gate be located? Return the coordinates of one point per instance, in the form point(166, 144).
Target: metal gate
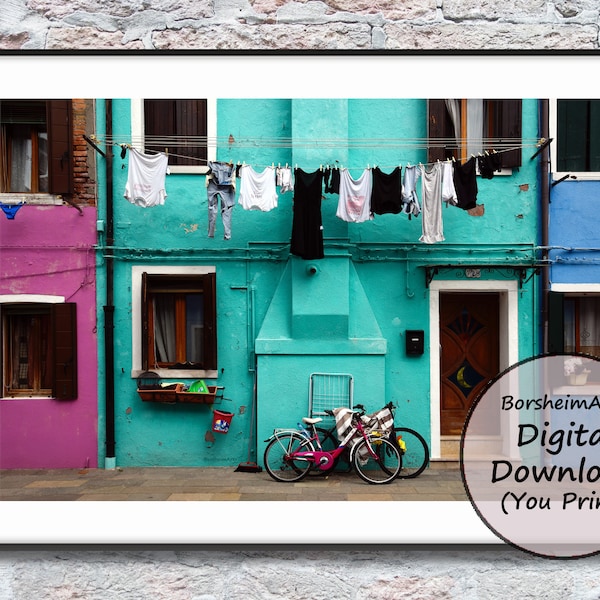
point(329, 391)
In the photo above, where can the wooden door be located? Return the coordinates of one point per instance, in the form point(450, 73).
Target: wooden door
point(469, 353)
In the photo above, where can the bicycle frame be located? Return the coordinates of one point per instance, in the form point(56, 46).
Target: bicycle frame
point(324, 459)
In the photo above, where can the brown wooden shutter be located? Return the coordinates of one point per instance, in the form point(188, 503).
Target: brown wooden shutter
point(185, 119)
point(64, 337)
point(511, 127)
point(439, 128)
point(60, 156)
point(145, 321)
point(210, 321)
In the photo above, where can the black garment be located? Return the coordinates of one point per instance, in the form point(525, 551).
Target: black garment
point(386, 196)
point(465, 184)
point(332, 180)
point(488, 164)
point(307, 227)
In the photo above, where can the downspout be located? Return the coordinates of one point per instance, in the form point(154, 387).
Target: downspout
point(109, 309)
point(545, 200)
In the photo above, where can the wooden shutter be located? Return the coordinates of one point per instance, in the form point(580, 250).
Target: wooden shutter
point(60, 156)
point(181, 124)
point(511, 127)
point(210, 321)
point(440, 128)
point(145, 321)
point(64, 339)
point(555, 322)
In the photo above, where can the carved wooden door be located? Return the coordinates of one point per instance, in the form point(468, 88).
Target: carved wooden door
point(469, 353)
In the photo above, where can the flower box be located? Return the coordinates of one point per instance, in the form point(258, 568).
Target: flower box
point(198, 397)
point(161, 394)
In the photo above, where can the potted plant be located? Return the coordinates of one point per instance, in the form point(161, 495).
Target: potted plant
point(575, 370)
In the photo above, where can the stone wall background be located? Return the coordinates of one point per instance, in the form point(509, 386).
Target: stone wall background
point(255, 573)
point(299, 24)
point(311, 573)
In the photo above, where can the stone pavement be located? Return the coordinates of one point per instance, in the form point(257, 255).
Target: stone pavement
point(441, 481)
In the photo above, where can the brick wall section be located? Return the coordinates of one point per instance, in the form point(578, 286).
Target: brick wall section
point(83, 154)
point(300, 24)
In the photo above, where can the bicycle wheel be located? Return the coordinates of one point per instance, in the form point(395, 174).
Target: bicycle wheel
point(329, 443)
point(415, 457)
point(384, 467)
point(277, 459)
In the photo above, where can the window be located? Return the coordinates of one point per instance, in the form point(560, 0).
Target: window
point(35, 147)
point(574, 325)
point(182, 127)
point(578, 143)
point(464, 127)
point(179, 322)
point(39, 346)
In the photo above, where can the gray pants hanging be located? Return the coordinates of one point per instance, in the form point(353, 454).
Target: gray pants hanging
point(227, 195)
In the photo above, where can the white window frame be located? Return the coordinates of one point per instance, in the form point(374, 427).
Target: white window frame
point(136, 320)
point(137, 133)
point(553, 134)
point(27, 299)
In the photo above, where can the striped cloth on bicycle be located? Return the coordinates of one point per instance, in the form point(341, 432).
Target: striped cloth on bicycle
point(381, 420)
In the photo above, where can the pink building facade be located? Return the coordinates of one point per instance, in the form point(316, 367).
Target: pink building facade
point(49, 400)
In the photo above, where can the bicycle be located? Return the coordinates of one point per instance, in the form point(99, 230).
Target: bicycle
point(414, 448)
point(291, 453)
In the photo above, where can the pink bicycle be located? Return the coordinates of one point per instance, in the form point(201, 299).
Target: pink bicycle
point(291, 453)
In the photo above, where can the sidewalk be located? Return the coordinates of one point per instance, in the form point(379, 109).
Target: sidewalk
point(441, 481)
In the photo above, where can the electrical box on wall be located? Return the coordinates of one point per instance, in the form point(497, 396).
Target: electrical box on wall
point(415, 342)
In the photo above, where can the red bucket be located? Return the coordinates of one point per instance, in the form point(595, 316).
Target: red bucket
point(221, 421)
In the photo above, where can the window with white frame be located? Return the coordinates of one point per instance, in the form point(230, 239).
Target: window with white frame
point(39, 349)
point(182, 127)
point(35, 149)
point(459, 128)
point(174, 321)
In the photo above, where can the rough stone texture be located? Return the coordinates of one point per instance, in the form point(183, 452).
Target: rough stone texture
point(352, 573)
point(299, 25)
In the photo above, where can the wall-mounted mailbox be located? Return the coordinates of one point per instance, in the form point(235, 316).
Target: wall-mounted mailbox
point(415, 342)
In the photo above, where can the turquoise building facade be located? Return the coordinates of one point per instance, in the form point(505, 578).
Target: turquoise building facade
point(280, 318)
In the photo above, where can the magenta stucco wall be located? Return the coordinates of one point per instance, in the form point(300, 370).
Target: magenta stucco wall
point(49, 250)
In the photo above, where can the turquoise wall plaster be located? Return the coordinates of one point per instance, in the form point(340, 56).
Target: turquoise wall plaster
point(386, 261)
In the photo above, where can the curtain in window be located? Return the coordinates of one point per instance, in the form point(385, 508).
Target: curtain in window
point(164, 328)
point(453, 107)
point(475, 131)
point(589, 325)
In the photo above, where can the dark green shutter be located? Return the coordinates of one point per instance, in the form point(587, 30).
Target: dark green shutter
point(556, 325)
point(64, 337)
point(572, 135)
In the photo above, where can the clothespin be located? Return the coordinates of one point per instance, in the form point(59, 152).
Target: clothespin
point(167, 151)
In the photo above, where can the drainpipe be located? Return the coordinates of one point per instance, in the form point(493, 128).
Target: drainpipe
point(545, 201)
point(109, 309)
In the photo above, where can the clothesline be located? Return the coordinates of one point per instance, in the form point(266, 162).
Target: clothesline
point(150, 141)
point(179, 141)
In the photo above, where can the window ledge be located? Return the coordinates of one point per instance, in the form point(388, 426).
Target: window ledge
point(576, 175)
point(178, 373)
point(31, 199)
point(26, 398)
